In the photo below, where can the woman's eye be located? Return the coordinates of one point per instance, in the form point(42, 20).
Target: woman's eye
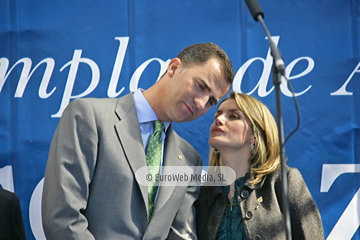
point(234, 116)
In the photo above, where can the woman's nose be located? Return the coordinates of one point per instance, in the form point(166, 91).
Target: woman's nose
point(219, 120)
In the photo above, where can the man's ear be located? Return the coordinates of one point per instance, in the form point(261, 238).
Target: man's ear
point(174, 65)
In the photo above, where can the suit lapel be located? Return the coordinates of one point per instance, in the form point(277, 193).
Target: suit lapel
point(128, 130)
point(171, 158)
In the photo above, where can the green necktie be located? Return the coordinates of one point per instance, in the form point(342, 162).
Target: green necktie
point(153, 160)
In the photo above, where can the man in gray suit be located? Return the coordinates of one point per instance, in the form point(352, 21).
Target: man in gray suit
point(90, 190)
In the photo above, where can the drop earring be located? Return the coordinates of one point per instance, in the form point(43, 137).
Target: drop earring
point(252, 147)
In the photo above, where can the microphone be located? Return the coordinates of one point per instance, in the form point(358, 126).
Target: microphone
point(278, 60)
point(278, 70)
point(255, 9)
point(258, 16)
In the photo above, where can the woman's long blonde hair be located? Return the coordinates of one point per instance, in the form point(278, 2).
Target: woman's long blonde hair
point(265, 158)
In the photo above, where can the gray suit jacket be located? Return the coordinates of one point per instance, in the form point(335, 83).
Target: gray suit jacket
point(90, 190)
point(261, 209)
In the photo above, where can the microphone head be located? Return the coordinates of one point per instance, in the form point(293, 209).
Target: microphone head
point(255, 9)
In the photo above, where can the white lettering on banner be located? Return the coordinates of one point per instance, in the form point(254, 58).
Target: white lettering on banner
point(6, 178)
point(74, 65)
point(119, 61)
point(26, 74)
point(284, 84)
point(134, 81)
point(35, 212)
point(349, 221)
point(133, 84)
point(264, 79)
point(342, 90)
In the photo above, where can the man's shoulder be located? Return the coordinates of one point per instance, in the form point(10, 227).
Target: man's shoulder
point(183, 142)
point(95, 101)
point(7, 197)
point(102, 104)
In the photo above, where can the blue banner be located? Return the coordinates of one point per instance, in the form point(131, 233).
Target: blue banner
point(52, 52)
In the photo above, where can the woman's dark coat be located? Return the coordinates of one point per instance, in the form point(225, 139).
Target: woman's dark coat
point(261, 208)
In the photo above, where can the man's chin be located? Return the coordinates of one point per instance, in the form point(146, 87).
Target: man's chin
point(185, 117)
point(182, 120)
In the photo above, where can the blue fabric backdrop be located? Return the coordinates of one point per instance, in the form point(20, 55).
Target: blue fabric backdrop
point(52, 52)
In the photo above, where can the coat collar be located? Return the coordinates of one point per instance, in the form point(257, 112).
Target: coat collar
point(212, 192)
point(256, 186)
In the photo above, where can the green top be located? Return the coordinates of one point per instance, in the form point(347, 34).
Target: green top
point(232, 225)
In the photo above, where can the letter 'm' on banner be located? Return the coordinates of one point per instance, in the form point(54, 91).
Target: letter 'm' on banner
point(74, 65)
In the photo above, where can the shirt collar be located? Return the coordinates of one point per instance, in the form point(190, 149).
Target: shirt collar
point(143, 109)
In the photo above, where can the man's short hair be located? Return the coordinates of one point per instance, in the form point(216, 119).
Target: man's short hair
point(202, 52)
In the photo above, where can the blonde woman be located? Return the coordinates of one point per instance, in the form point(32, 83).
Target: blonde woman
point(244, 136)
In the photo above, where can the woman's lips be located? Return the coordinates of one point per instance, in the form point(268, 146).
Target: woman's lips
point(217, 129)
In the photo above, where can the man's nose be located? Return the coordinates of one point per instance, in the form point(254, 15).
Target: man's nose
point(200, 102)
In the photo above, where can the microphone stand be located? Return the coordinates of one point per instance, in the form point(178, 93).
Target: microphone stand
point(278, 70)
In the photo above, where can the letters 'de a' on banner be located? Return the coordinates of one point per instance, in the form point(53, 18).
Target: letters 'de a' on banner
point(52, 52)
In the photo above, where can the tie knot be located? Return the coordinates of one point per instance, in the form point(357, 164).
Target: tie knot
point(158, 126)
